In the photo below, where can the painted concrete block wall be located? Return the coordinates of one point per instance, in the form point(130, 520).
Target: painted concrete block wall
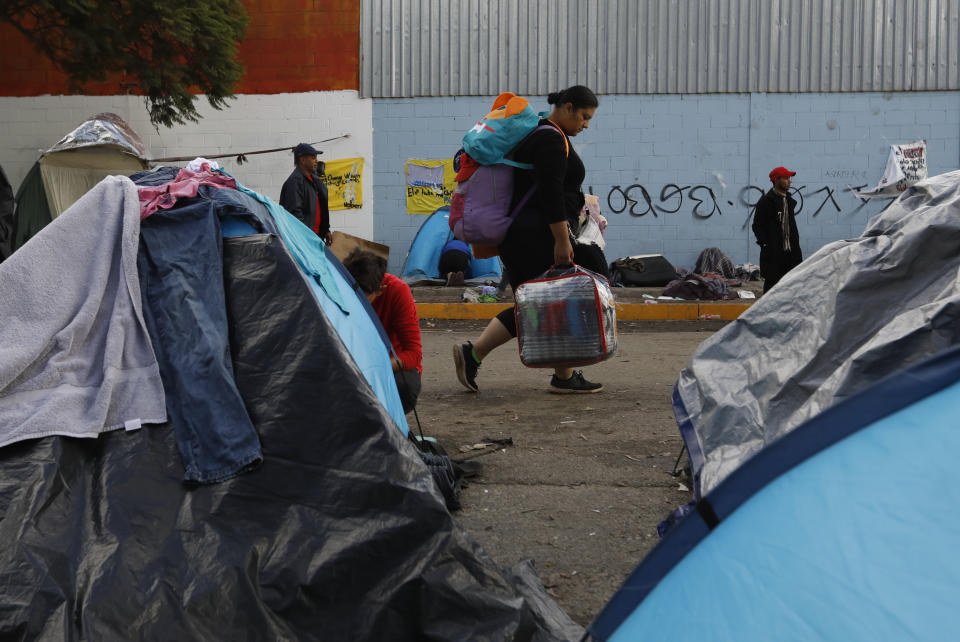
point(30, 125)
point(676, 174)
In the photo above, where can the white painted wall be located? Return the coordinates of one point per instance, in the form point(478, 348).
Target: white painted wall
point(28, 126)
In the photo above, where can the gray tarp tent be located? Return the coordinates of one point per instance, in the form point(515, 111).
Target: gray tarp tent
point(854, 312)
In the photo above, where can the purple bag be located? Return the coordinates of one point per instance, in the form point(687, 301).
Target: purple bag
point(480, 206)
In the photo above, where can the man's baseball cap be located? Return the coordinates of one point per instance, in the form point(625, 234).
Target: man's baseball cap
point(306, 149)
point(780, 172)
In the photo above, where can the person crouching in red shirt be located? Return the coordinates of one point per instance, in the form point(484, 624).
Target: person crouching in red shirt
point(393, 302)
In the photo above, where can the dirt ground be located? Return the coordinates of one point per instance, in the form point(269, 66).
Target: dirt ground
point(588, 477)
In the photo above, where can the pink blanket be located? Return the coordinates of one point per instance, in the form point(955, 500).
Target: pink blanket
point(186, 184)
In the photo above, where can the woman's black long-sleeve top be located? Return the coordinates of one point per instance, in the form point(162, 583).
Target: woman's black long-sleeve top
point(558, 177)
point(527, 251)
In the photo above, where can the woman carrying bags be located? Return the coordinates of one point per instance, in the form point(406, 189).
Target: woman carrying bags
point(540, 235)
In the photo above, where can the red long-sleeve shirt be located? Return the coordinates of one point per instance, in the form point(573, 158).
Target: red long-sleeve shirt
point(398, 314)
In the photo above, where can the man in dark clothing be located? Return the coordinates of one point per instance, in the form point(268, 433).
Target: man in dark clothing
point(775, 227)
point(304, 194)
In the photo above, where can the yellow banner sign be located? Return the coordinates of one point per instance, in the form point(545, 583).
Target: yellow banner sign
point(344, 187)
point(429, 185)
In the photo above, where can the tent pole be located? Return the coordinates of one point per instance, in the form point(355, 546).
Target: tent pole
point(683, 449)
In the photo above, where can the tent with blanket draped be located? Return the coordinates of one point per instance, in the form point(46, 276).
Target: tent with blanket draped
point(103, 145)
point(201, 439)
point(423, 258)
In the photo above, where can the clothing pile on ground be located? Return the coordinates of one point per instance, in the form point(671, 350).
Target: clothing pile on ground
point(711, 280)
point(713, 275)
point(244, 470)
point(713, 260)
point(703, 287)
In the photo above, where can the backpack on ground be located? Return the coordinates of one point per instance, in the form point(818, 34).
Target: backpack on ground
point(480, 210)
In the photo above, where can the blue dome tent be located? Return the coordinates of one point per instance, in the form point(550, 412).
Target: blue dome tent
point(844, 529)
point(421, 263)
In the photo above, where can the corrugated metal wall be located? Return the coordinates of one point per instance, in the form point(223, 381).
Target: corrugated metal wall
point(483, 47)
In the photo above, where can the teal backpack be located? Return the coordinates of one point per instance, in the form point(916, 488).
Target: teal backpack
point(509, 122)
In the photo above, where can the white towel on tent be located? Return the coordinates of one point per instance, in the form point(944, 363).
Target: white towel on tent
point(75, 355)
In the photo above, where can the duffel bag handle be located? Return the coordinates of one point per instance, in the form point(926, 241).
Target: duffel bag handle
point(562, 270)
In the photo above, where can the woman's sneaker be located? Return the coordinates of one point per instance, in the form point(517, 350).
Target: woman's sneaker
point(466, 366)
point(574, 384)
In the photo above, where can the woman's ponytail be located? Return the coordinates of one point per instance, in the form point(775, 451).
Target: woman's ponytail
point(580, 96)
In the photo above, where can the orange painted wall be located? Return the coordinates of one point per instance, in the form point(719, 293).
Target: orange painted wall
point(291, 46)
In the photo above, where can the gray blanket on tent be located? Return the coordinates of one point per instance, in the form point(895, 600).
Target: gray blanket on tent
point(851, 314)
point(75, 356)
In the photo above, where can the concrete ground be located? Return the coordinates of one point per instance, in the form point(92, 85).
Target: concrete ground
point(588, 477)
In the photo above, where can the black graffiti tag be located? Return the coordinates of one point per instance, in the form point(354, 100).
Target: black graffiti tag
point(636, 200)
point(715, 207)
point(829, 198)
point(675, 191)
point(620, 200)
point(745, 201)
point(626, 195)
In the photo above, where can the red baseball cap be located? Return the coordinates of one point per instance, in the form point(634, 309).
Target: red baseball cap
point(780, 172)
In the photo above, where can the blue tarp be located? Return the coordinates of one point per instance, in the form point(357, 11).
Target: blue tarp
point(349, 314)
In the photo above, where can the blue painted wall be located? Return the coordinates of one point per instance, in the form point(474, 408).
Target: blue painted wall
point(676, 174)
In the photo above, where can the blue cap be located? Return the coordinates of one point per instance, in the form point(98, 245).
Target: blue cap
point(304, 149)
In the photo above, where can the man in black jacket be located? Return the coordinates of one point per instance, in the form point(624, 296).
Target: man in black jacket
point(304, 194)
point(775, 227)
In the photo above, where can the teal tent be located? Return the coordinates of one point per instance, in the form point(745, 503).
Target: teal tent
point(843, 529)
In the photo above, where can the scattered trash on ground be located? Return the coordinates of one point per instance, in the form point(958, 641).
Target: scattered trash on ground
point(487, 444)
point(481, 294)
point(469, 447)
